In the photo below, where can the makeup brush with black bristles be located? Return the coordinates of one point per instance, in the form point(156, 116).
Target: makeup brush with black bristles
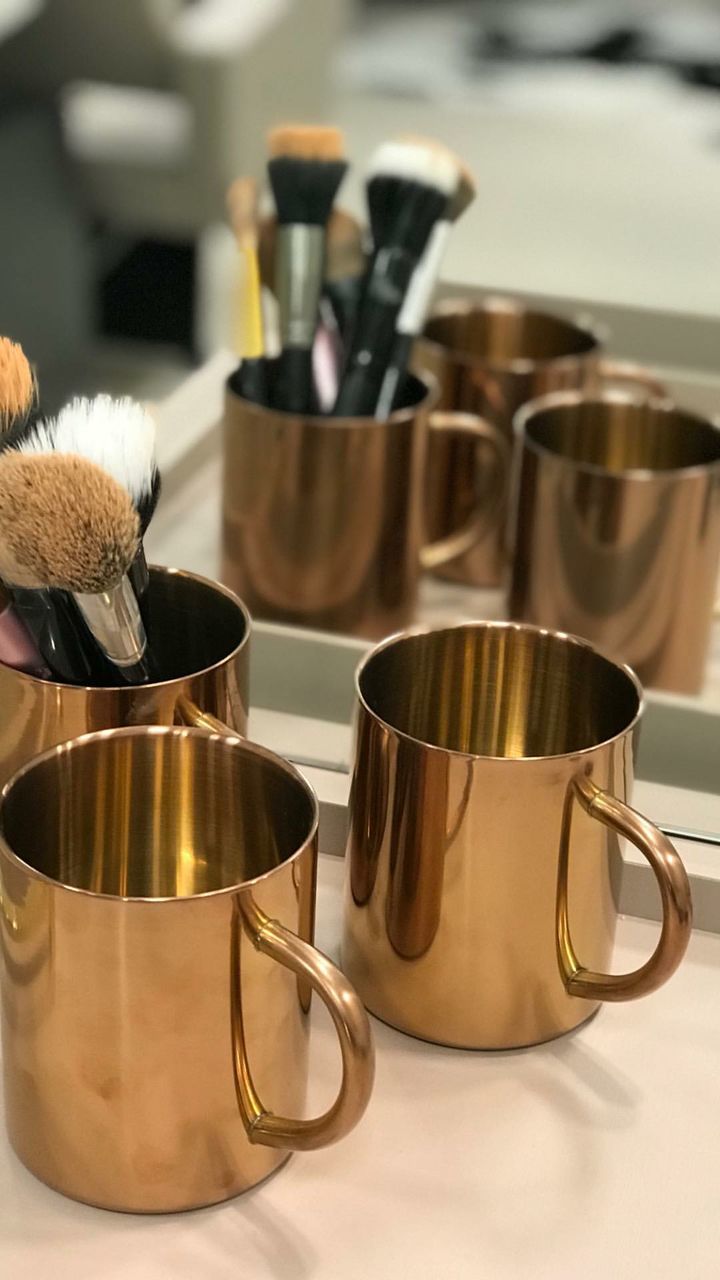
point(117, 435)
point(408, 189)
point(18, 391)
point(250, 380)
point(305, 169)
point(418, 298)
point(66, 525)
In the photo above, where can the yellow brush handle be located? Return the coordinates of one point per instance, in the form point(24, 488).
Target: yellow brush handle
point(249, 339)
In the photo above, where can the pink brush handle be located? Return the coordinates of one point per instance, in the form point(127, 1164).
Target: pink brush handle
point(17, 648)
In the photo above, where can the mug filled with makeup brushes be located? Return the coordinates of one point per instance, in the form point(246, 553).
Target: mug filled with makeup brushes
point(489, 358)
point(158, 899)
point(491, 786)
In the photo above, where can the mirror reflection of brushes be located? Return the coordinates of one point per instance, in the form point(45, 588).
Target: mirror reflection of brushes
point(67, 526)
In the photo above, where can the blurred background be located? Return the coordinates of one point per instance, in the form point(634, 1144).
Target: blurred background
point(593, 127)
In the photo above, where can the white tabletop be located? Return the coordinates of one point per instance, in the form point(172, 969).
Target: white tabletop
point(596, 1157)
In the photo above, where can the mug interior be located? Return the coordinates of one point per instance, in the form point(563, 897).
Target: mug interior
point(501, 334)
point(156, 813)
point(502, 691)
point(624, 435)
point(192, 624)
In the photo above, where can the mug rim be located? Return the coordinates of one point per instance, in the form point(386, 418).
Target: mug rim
point(428, 400)
point(513, 306)
point(500, 625)
point(611, 395)
point(169, 571)
point(235, 741)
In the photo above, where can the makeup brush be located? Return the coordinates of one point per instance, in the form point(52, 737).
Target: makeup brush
point(66, 525)
point(345, 265)
point(18, 390)
point(251, 378)
point(117, 435)
point(418, 298)
point(305, 169)
point(408, 189)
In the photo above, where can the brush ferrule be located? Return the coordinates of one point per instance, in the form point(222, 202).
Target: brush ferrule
point(114, 619)
point(299, 273)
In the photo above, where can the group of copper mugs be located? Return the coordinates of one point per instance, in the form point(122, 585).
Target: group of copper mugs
point(523, 457)
point(158, 888)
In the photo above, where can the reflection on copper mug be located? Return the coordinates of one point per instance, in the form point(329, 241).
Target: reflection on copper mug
point(322, 519)
point(158, 899)
point(492, 775)
point(490, 357)
point(200, 634)
point(618, 529)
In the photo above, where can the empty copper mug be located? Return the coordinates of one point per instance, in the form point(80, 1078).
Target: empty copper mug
point(158, 898)
point(490, 357)
point(618, 529)
point(200, 635)
point(322, 517)
point(491, 786)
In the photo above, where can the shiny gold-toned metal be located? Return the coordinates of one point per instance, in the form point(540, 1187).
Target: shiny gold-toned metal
point(130, 995)
point(322, 518)
point(618, 529)
point(493, 769)
point(200, 635)
point(489, 358)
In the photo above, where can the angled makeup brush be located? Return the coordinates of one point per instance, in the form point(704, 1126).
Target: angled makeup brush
point(305, 169)
point(408, 189)
point(66, 525)
point(251, 378)
point(18, 390)
point(414, 310)
point(344, 268)
point(117, 435)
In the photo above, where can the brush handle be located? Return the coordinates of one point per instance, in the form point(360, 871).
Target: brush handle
point(374, 335)
point(294, 389)
point(252, 381)
point(17, 647)
point(113, 619)
point(344, 298)
point(60, 636)
point(394, 378)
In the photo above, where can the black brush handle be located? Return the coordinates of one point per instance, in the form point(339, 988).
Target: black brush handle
point(344, 299)
point(294, 389)
point(61, 636)
point(252, 380)
point(394, 379)
point(374, 336)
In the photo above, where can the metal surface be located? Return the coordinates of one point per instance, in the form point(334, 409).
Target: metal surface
point(490, 357)
point(199, 635)
point(158, 897)
point(618, 529)
point(473, 854)
point(322, 521)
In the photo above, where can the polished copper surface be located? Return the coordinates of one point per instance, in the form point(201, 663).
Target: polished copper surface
point(489, 358)
point(200, 635)
point(618, 529)
point(322, 519)
point(158, 899)
point(493, 769)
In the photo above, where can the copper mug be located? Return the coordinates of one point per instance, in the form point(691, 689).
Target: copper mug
point(490, 357)
point(322, 516)
point(158, 899)
point(200, 635)
point(491, 786)
point(618, 529)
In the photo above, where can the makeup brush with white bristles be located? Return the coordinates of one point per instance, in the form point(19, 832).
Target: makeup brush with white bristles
point(119, 436)
point(305, 169)
point(66, 525)
point(418, 298)
point(408, 189)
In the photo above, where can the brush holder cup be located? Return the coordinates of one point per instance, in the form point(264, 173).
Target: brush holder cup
point(199, 633)
point(322, 516)
point(490, 358)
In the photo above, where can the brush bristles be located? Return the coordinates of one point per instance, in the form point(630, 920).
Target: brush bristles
point(464, 194)
point(344, 247)
point(242, 205)
point(306, 142)
point(18, 388)
point(64, 523)
point(429, 164)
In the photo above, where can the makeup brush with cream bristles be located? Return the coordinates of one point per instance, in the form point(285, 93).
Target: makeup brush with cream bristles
point(119, 436)
point(250, 380)
point(408, 189)
point(305, 169)
point(345, 265)
point(418, 298)
point(66, 525)
point(18, 390)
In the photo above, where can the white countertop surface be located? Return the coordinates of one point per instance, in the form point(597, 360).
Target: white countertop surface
point(596, 1157)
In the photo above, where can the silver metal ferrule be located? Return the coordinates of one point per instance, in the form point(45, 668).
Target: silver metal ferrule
point(298, 280)
point(114, 619)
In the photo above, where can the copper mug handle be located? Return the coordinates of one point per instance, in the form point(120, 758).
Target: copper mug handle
point(435, 554)
point(674, 891)
point(339, 997)
point(608, 369)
